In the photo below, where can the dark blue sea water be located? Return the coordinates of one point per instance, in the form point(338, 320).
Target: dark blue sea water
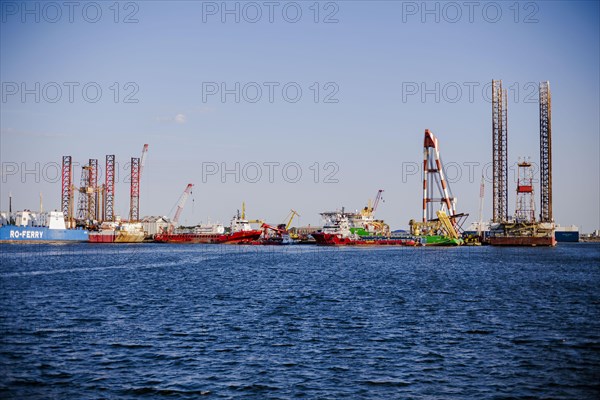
point(154, 321)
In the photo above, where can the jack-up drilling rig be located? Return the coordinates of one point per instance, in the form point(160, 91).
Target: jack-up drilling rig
point(523, 229)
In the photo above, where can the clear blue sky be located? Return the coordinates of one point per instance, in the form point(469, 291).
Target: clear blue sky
point(373, 54)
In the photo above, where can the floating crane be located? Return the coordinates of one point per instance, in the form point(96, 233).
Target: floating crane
point(180, 205)
point(440, 224)
point(433, 178)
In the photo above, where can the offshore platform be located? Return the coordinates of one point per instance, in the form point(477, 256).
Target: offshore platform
point(522, 229)
point(96, 201)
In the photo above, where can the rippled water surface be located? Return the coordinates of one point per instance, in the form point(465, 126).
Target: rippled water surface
point(144, 320)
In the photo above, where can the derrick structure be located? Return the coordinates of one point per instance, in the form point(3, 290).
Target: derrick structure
point(92, 190)
point(86, 206)
point(499, 152)
point(545, 101)
point(525, 212)
point(66, 200)
point(109, 188)
point(134, 197)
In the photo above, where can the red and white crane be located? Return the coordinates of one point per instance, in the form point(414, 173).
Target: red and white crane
point(377, 198)
point(180, 205)
point(143, 159)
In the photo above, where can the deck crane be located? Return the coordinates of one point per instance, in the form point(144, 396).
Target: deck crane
point(243, 216)
point(292, 214)
point(180, 204)
point(377, 199)
point(280, 231)
point(370, 209)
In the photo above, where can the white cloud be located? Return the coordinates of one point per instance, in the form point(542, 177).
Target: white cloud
point(180, 118)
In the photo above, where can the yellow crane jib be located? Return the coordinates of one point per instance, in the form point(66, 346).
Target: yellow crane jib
point(292, 214)
point(447, 224)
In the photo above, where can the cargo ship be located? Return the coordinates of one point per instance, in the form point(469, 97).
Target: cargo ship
point(566, 233)
point(358, 229)
point(30, 227)
point(118, 232)
point(241, 232)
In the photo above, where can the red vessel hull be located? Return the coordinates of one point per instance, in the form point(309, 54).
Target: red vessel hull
point(233, 238)
point(329, 239)
point(101, 238)
point(522, 241)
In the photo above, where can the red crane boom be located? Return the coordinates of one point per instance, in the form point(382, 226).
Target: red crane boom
point(180, 204)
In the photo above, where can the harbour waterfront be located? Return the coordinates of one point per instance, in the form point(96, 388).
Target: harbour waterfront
point(139, 320)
